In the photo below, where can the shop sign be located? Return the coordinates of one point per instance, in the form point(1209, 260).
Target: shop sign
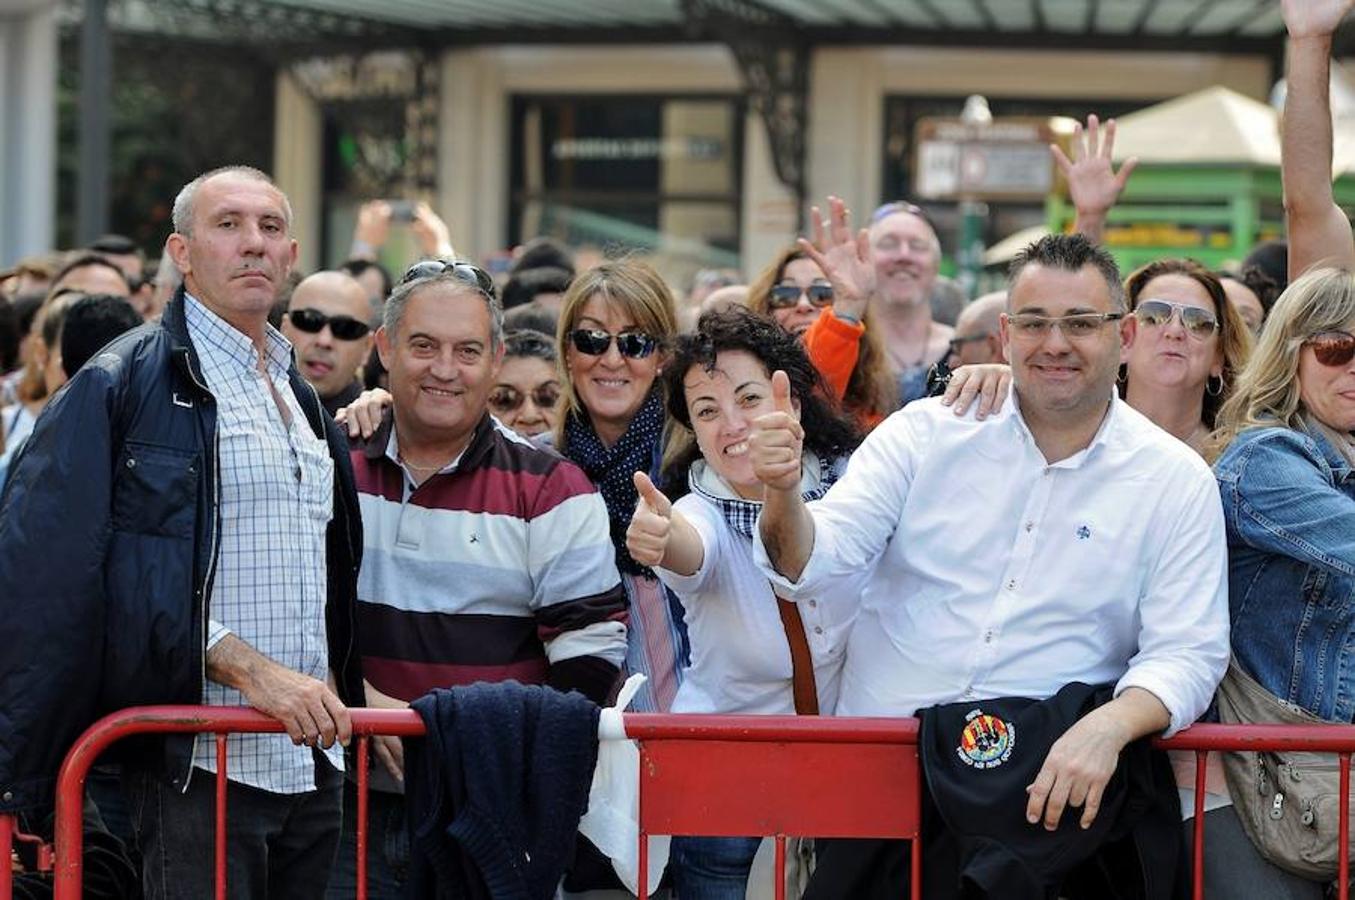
point(1006, 159)
point(638, 148)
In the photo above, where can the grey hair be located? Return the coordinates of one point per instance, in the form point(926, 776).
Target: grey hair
point(183, 203)
point(1069, 253)
point(401, 294)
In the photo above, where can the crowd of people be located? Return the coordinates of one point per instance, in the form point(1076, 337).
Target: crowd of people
point(1089, 509)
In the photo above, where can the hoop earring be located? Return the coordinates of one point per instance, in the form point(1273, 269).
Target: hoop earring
point(1123, 376)
point(1213, 385)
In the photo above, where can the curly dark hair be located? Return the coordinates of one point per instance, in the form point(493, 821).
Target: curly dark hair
point(827, 432)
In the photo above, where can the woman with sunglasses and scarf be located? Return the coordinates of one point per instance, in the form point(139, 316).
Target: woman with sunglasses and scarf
point(751, 653)
point(617, 323)
point(1188, 348)
point(1289, 507)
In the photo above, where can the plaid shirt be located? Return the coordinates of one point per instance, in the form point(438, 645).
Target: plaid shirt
point(276, 498)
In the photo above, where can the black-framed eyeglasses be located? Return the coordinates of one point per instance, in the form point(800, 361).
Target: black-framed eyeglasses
point(1075, 326)
point(783, 295)
point(506, 399)
point(312, 321)
point(463, 271)
point(957, 342)
point(1198, 322)
point(630, 344)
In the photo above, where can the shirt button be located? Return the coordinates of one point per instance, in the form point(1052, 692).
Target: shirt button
point(813, 604)
point(818, 630)
point(1030, 526)
point(1011, 585)
point(987, 637)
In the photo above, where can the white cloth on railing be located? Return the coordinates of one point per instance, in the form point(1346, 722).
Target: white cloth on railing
point(612, 822)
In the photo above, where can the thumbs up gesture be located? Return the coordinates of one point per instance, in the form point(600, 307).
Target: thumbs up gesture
point(650, 527)
point(776, 440)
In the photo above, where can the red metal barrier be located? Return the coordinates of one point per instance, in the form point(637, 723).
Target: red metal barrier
point(700, 775)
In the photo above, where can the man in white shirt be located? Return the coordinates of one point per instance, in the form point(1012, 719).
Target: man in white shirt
point(1065, 539)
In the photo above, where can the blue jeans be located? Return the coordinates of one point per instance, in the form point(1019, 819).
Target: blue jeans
point(711, 868)
point(387, 847)
point(277, 845)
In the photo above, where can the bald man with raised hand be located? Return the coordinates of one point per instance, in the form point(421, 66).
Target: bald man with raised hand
point(329, 324)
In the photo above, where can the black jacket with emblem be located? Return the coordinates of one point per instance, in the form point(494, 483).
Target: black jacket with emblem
point(109, 530)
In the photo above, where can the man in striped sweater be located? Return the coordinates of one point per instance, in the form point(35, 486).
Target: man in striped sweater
point(485, 557)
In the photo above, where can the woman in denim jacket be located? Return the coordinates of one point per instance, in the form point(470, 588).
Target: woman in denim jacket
point(1289, 502)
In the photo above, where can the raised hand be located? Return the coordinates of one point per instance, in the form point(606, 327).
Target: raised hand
point(1093, 183)
point(651, 526)
point(776, 440)
point(435, 238)
point(1313, 18)
point(843, 257)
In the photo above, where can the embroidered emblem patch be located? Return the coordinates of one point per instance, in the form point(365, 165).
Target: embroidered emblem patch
point(1083, 532)
point(987, 741)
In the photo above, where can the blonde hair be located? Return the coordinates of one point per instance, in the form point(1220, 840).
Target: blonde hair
point(871, 387)
point(1267, 391)
point(628, 284)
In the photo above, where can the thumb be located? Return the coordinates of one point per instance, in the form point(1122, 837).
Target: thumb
point(651, 495)
point(781, 393)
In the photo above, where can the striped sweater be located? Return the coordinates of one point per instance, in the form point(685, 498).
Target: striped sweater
point(500, 568)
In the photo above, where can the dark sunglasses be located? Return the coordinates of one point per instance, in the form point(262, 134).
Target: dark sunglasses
point(505, 399)
point(630, 344)
point(784, 295)
point(957, 342)
point(462, 271)
point(312, 321)
point(1200, 323)
point(1332, 348)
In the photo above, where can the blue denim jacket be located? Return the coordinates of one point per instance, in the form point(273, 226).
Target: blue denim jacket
point(1289, 504)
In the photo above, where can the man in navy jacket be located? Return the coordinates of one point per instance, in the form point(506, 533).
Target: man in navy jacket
point(182, 528)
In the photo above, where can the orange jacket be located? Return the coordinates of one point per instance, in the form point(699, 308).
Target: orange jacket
point(834, 345)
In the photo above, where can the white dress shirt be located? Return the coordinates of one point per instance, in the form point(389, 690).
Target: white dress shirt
point(995, 574)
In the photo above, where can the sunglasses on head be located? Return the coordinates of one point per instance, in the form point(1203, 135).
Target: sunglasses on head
point(900, 206)
point(462, 271)
point(504, 399)
point(1332, 348)
point(312, 321)
point(784, 295)
point(630, 344)
point(1198, 322)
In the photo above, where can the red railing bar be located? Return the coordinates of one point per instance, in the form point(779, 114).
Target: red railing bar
point(6, 857)
point(643, 878)
point(779, 872)
point(1324, 738)
point(658, 726)
point(1309, 738)
point(1197, 860)
point(1343, 851)
point(220, 817)
point(363, 751)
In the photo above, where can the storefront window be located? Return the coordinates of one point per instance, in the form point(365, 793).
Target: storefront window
point(657, 174)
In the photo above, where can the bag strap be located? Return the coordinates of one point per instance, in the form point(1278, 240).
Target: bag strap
point(802, 685)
